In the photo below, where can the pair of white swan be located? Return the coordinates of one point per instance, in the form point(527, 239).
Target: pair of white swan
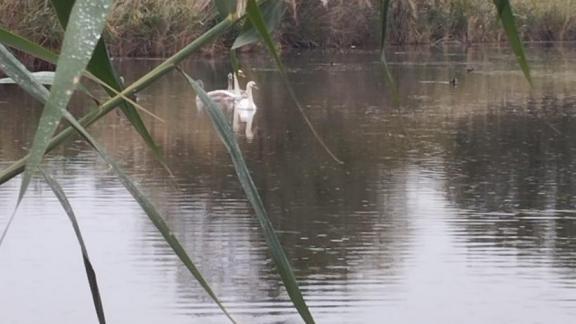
point(240, 102)
point(244, 98)
point(245, 109)
point(233, 97)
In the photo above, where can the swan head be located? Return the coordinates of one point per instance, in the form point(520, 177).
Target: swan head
point(230, 81)
point(251, 85)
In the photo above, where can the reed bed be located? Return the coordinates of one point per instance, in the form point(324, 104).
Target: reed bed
point(343, 23)
point(158, 28)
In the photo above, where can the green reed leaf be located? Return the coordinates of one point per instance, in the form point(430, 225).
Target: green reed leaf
point(16, 70)
point(152, 213)
point(38, 51)
point(234, 61)
point(47, 78)
point(225, 7)
point(255, 16)
point(26, 80)
point(88, 18)
point(101, 67)
point(278, 255)
point(389, 80)
point(22, 44)
point(43, 77)
point(506, 16)
point(272, 12)
point(90, 273)
point(18, 73)
point(384, 7)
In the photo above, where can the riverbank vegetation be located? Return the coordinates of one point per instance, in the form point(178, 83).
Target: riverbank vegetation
point(158, 28)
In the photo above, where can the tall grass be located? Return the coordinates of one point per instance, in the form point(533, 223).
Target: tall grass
point(471, 21)
point(159, 28)
point(136, 27)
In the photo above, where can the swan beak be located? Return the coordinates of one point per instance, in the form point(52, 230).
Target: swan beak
point(256, 87)
point(241, 73)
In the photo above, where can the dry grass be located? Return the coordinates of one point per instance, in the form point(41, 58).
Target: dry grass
point(341, 23)
point(160, 27)
point(429, 21)
point(156, 27)
point(335, 23)
point(135, 27)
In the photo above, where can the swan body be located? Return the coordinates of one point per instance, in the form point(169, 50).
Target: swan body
point(246, 100)
point(245, 110)
point(223, 98)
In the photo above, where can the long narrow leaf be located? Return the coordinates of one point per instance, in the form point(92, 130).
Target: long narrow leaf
point(506, 16)
point(47, 78)
point(87, 22)
point(255, 15)
point(389, 79)
point(101, 67)
point(26, 46)
point(132, 102)
point(18, 72)
point(90, 273)
point(29, 47)
point(280, 259)
point(152, 214)
point(20, 75)
point(234, 61)
point(272, 12)
point(27, 81)
point(384, 7)
point(225, 7)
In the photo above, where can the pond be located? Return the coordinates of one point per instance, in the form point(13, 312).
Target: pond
point(456, 206)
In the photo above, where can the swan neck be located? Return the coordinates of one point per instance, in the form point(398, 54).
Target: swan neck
point(249, 93)
point(236, 85)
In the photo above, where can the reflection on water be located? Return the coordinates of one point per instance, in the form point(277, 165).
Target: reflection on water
point(457, 207)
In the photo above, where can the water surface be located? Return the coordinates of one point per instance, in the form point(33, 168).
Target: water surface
point(457, 206)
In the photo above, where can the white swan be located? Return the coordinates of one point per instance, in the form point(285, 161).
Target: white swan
point(245, 110)
point(223, 98)
point(246, 101)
